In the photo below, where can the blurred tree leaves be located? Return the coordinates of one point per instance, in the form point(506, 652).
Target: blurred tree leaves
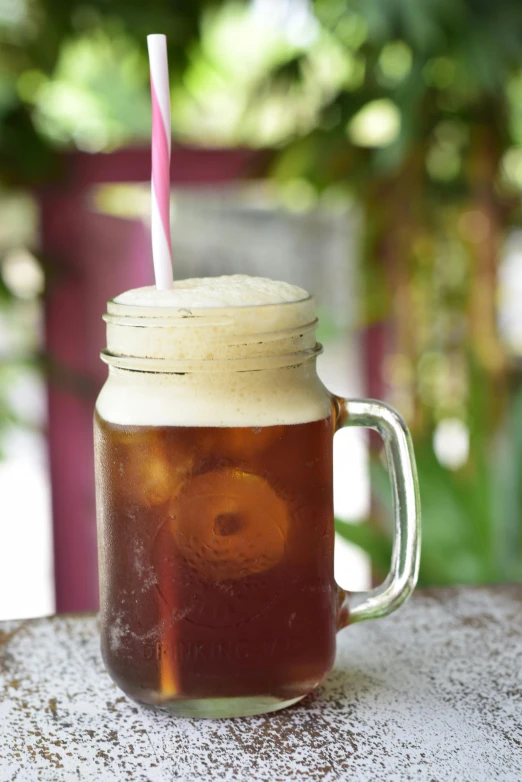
point(435, 60)
point(32, 41)
point(471, 524)
point(414, 106)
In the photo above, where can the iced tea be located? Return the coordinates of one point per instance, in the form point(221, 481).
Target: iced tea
point(216, 550)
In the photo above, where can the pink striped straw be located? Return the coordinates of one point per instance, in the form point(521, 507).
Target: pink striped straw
point(160, 183)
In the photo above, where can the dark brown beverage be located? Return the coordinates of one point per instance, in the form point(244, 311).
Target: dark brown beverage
point(216, 549)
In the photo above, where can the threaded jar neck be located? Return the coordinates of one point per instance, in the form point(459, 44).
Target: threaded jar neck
point(238, 338)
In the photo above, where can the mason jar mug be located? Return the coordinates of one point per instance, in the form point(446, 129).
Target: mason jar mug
point(213, 438)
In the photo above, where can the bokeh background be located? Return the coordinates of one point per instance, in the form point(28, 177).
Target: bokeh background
point(370, 150)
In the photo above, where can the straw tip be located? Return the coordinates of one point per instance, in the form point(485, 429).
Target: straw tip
point(156, 37)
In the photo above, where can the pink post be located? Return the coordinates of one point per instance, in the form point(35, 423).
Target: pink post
point(93, 257)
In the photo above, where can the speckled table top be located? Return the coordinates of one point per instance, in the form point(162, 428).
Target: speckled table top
point(433, 693)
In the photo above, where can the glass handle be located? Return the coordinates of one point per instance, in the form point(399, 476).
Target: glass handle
point(401, 580)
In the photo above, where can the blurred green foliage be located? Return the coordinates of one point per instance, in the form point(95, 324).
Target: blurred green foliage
point(415, 109)
point(424, 127)
point(471, 516)
point(35, 41)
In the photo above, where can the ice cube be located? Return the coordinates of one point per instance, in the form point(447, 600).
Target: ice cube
point(154, 471)
point(229, 524)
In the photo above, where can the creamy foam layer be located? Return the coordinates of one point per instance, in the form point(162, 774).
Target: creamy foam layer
point(237, 290)
point(225, 351)
point(263, 398)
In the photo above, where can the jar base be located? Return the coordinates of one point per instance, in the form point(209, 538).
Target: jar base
point(212, 708)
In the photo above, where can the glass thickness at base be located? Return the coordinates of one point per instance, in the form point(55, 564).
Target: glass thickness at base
point(216, 708)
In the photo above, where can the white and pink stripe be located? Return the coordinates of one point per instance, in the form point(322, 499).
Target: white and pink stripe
point(160, 184)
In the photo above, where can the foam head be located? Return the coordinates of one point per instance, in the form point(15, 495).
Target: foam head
point(237, 290)
point(211, 319)
point(200, 346)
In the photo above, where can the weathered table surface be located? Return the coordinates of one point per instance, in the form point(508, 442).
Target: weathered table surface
point(432, 693)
